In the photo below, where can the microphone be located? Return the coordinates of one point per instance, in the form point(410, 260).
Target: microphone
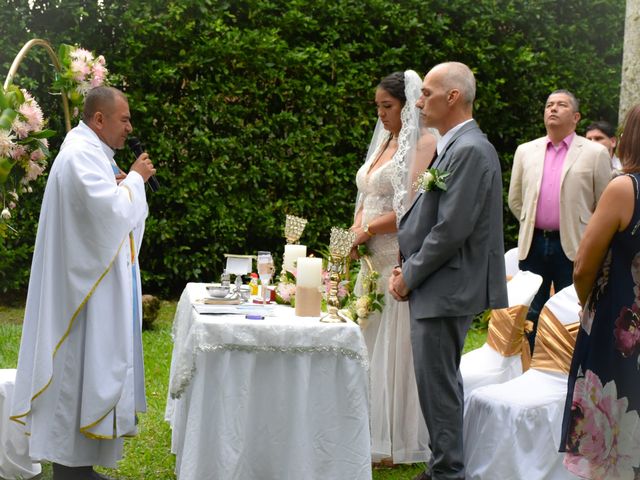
point(136, 147)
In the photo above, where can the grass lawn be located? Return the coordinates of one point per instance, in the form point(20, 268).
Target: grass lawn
point(148, 456)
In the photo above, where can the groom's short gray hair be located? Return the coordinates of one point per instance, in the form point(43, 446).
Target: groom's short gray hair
point(457, 75)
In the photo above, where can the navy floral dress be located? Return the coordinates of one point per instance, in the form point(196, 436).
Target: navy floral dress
point(601, 426)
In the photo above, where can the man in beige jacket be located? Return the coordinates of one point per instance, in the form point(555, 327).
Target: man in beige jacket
point(556, 182)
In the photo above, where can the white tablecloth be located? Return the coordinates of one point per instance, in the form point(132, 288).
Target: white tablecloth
point(274, 399)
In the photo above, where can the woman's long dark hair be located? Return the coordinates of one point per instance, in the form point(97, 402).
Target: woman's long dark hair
point(629, 147)
point(394, 85)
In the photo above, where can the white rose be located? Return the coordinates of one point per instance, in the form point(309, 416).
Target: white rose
point(428, 178)
point(362, 312)
point(362, 303)
point(6, 214)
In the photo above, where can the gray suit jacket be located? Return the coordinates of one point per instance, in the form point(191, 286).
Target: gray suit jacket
point(452, 242)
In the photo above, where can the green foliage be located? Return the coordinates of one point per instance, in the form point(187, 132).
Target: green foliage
point(256, 108)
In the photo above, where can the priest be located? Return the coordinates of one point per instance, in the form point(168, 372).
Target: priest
point(80, 379)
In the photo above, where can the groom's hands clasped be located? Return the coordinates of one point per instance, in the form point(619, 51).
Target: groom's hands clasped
point(397, 287)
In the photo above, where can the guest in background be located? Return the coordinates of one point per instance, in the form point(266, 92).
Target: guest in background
point(80, 378)
point(605, 134)
point(601, 427)
point(398, 151)
point(556, 182)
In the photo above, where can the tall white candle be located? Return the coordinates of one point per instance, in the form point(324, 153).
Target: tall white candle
point(309, 272)
point(291, 254)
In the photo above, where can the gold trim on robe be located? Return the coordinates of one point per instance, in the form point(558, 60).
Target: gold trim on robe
point(16, 418)
point(554, 343)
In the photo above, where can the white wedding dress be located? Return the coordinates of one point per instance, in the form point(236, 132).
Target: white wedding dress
point(398, 429)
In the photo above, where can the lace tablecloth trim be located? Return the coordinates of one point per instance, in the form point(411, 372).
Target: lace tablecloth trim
point(179, 385)
point(194, 334)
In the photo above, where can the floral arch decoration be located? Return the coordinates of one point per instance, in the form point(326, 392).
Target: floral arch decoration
point(23, 134)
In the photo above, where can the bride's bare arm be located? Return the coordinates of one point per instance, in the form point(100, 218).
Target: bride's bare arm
point(385, 223)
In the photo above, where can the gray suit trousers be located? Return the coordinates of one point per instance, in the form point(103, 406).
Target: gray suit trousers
point(437, 346)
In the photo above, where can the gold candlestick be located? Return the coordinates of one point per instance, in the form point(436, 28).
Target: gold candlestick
point(340, 244)
point(293, 228)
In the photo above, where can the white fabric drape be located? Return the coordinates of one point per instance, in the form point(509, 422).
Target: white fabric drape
point(14, 444)
point(485, 366)
point(512, 430)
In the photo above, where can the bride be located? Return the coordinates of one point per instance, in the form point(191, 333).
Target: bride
point(398, 152)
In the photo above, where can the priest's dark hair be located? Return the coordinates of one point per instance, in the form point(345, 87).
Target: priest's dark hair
point(99, 99)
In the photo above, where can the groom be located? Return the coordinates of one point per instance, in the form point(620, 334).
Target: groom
point(453, 258)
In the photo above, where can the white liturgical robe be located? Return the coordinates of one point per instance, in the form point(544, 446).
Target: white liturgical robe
point(80, 378)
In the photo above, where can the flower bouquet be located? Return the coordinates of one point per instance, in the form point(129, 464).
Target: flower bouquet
point(286, 288)
point(358, 307)
point(23, 148)
point(80, 71)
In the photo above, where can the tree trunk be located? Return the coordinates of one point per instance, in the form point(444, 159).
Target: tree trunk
point(629, 89)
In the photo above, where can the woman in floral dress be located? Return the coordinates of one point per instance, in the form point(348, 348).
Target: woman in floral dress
point(601, 426)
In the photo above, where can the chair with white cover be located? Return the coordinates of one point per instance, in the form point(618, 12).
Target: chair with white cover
point(511, 262)
point(506, 354)
point(14, 443)
point(512, 430)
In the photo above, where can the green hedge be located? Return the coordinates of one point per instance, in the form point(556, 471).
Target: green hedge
point(253, 109)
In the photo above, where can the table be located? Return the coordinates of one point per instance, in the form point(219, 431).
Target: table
point(274, 399)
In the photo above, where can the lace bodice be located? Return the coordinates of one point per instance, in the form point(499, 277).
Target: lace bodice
point(377, 199)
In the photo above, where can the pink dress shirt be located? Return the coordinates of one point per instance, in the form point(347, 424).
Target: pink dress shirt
point(548, 209)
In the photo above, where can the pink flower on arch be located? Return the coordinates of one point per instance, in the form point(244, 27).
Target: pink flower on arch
point(34, 170)
point(627, 330)
point(99, 73)
point(6, 143)
point(81, 54)
point(80, 70)
point(32, 112)
point(604, 441)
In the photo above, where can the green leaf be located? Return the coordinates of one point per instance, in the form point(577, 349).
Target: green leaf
point(6, 165)
point(7, 117)
point(43, 134)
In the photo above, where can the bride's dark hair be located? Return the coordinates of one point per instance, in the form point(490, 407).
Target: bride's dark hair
point(394, 85)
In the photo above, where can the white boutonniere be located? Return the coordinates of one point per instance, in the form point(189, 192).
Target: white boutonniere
point(432, 179)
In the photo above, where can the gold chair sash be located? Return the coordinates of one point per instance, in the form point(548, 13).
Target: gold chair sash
point(554, 343)
point(506, 333)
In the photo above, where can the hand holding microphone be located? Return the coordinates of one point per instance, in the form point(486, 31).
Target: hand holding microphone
point(143, 164)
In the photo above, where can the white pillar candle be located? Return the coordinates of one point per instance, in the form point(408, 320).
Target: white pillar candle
point(291, 254)
point(309, 272)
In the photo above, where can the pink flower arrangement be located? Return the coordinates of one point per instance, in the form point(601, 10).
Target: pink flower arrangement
point(286, 292)
point(23, 147)
point(81, 71)
point(343, 286)
point(605, 439)
point(87, 71)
